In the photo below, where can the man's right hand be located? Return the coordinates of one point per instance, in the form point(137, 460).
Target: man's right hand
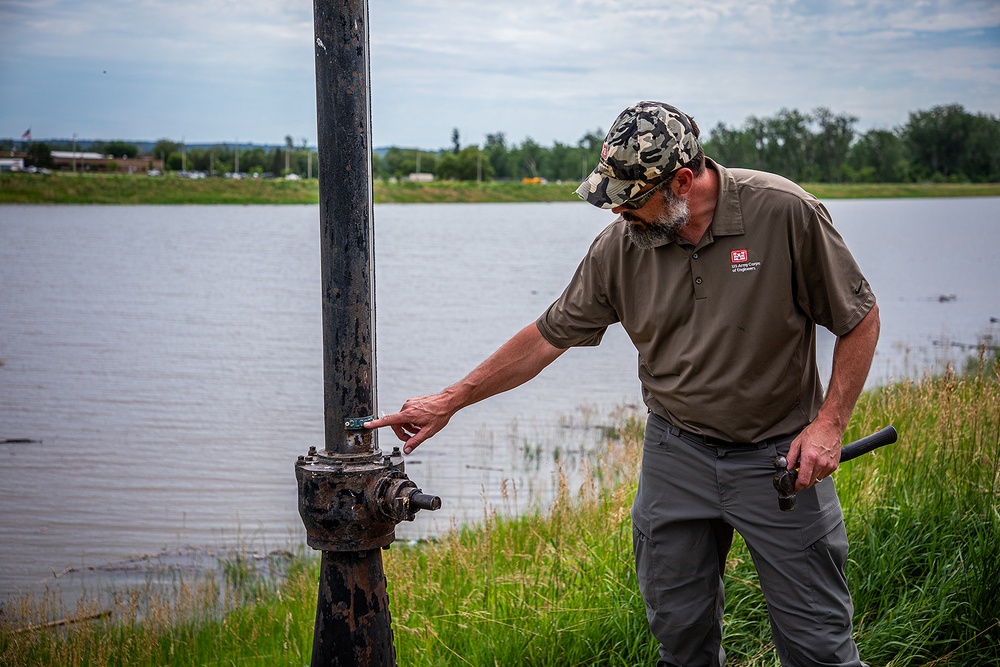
point(419, 418)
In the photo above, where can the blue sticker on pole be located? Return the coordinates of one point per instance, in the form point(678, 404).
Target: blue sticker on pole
point(358, 423)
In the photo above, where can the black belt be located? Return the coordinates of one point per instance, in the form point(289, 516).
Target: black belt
point(710, 441)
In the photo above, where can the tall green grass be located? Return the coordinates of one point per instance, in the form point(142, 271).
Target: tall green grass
point(556, 587)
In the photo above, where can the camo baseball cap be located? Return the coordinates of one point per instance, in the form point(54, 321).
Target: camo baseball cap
point(647, 143)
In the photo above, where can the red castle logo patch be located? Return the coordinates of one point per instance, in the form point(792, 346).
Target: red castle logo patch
point(739, 256)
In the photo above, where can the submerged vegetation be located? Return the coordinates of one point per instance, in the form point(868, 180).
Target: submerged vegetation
point(557, 586)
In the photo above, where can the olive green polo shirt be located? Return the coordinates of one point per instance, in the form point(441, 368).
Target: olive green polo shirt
point(725, 330)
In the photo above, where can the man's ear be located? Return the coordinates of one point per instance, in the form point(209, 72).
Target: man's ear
point(683, 181)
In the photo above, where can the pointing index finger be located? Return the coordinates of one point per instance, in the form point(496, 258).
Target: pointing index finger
point(387, 420)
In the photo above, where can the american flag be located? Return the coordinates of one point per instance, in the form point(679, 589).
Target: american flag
point(27, 135)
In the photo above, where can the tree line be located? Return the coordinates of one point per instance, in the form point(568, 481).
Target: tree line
point(227, 158)
point(945, 143)
point(495, 160)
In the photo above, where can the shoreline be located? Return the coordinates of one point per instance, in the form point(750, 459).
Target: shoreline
point(557, 585)
point(126, 189)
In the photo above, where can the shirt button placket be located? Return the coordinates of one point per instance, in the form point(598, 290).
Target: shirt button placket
point(699, 289)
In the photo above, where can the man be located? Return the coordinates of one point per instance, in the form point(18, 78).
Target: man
point(719, 276)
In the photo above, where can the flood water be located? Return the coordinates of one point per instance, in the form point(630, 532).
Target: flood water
point(166, 361)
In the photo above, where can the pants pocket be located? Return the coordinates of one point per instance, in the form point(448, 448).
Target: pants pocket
point(642, 549)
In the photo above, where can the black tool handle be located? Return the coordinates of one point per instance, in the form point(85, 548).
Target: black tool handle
point(880, 438)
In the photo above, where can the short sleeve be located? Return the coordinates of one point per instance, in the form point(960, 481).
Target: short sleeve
point(830, 287)
point(581, 315)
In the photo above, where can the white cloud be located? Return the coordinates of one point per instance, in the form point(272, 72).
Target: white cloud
point(551, 69)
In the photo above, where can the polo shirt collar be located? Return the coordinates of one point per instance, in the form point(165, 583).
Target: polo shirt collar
point(728, 217)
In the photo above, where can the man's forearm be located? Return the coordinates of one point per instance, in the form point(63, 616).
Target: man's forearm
point(852, 359)
point(816, 451)
point(518, 360)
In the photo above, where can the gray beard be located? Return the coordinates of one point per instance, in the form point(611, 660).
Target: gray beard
point(662, 229)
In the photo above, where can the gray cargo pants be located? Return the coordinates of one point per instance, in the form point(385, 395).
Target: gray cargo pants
point(691, 497)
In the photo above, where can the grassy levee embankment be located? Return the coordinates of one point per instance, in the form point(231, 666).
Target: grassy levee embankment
point(66, 188)
point(556, 587)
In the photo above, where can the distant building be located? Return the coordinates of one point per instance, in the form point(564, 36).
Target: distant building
point(86, 161)
point(11, 164)
point(420, 177)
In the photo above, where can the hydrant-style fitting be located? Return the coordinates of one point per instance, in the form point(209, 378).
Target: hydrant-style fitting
point(353, 502)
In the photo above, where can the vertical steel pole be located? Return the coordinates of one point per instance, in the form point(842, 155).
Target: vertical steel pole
point(353, 626)
point(351, 496)
point(343, 131)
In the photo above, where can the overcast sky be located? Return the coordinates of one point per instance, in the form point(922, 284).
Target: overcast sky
point(552, 70)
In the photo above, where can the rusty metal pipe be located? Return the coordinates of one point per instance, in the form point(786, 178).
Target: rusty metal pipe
point(357, 630)
point(346, 221)
point(351, 496)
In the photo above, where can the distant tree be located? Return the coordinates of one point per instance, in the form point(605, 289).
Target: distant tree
point(39, 154)
point(400, 162)
point(732, 147)
point(199, 159)
point(530, 159)
point(253, 160)
point(465, 166)
point(564, 163)
point(937, 140)
point(829, 146)
point(981, 159)
point(948, 143)
point(590, 144)
point(787, 144)
point(498, 156)
point(592, 141)
point(120, 149)
point(165, 149)
point(456, 145)
point(878, 156)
